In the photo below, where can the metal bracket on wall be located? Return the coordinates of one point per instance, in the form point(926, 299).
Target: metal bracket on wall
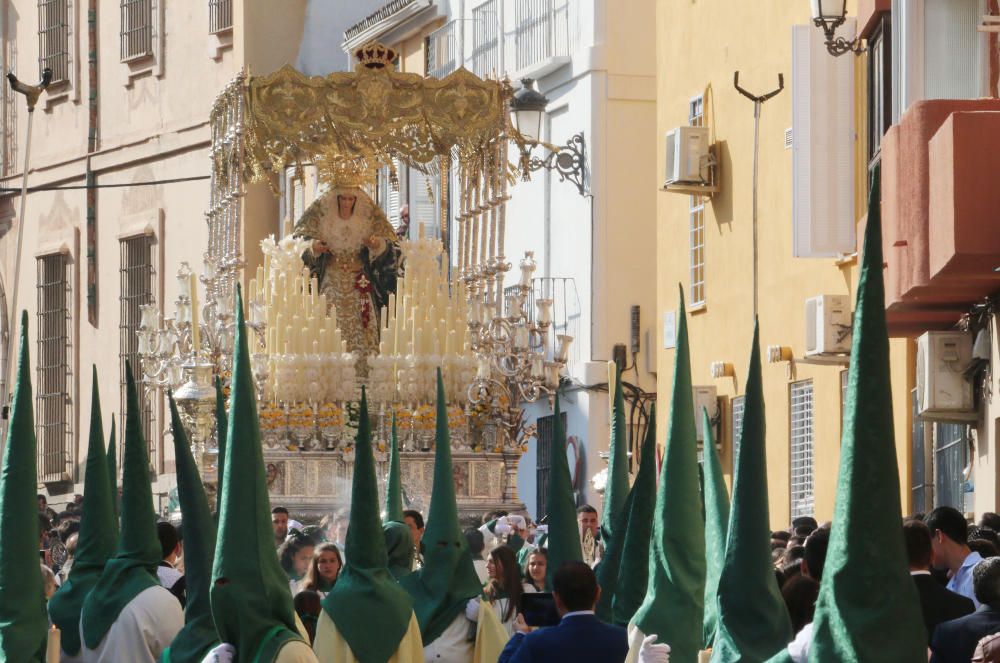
point(569, 161)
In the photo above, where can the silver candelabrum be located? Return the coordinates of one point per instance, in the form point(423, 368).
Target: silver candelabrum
point(180, 358)
point(518, 362)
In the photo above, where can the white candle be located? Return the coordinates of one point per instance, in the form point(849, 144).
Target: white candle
point(195, 326)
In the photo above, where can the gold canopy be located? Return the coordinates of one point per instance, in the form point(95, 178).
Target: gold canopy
point(348, 123)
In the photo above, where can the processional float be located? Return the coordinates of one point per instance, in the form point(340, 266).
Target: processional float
point(432, 301)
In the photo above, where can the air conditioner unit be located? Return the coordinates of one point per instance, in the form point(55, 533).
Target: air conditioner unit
point(706, 397)
point(943, 393)
point(828, 325)
point(686, 155)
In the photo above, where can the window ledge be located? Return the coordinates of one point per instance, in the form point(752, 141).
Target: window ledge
point(138, 67)
point(219, 42)
point(846, 259)
point(700, 307)
point(56, 94)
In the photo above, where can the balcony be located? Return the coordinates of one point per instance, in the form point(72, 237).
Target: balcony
point(441, 51)
point(940, 200)
point(542, 37)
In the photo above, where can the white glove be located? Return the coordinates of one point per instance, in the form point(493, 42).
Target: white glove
point(517, 522)
point(542, 529)
point(502, 527)
point(650, 652)
point(472, 610)
point(222, 654)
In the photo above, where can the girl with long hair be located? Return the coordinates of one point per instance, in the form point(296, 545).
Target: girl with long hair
point(535, 569)
point(295, 554)
point(503, 590)
point(323, 569)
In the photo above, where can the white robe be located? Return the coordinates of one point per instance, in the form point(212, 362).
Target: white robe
point(146, 626)
point(453, 645)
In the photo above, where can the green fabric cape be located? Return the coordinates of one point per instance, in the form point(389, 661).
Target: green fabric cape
point(96, 540)
point(633, 575)
point(564, 532)
point(369, 608)
point(132, 568)
point(394, 483)
point(113, 475)
point(753, 622)
point(23, 624)
point(673, 608)
point(447, 580)
point(398, 548)
point(716, 502)
point(616, 495)
point(251, 599)
point(198, 635)
point(221, 432)
point(868, 609)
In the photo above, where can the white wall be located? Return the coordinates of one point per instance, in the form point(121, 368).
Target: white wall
point(326, 20)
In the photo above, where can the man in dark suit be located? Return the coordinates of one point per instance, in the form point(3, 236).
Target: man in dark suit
point(955, 641)
point(937, 603)
point(580, 636)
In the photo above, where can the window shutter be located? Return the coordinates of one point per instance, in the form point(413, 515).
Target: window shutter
point(937, 51)
point(423, 203)
point(823, 135)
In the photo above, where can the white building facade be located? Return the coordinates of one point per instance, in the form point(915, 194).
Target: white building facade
point(593, 238)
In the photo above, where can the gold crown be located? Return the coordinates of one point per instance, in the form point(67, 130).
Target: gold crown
point(374, 55)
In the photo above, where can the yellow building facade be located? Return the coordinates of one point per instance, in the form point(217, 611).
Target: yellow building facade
point(706, 244)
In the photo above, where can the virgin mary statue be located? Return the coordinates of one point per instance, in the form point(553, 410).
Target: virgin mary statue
point(354, 258)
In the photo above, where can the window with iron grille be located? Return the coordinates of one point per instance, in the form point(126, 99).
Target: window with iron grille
point(53, 38)
point(696, 212)
point(53, 403)
point(543, 461)
point(486, 40)
point(879, 87)
point(801, 409)
point(136, 29)
point(135, 290)
point(921, 486)
point(220, 16)
point(737, 425)
point(439, 49)
point(950, 457)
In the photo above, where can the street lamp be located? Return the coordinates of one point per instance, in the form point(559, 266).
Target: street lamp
point(830, 15)
point(527, 107)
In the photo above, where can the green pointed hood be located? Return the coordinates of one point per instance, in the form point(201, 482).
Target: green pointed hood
point(369, 608)
point(97, 538)
point(616, 495)
point(673, 608)
point(750, 630)
point(447, 580)
point(716, 502)
point(564, 532)
point(132, 569)
point(23, 624)
point(221, 431)
point(634, 568)
point(198, 635)
point(398, 548)
point(113, 475)
point(250, 592)
point(868, 609)
point(394, 484)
